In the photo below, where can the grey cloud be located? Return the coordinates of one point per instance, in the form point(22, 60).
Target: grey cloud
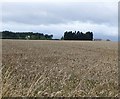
point(56, 18)
point(100, 31)
point(56, 13)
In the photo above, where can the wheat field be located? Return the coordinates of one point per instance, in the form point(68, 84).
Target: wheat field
point(34, 68)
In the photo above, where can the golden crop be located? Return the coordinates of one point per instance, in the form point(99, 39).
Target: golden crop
point(59, 68)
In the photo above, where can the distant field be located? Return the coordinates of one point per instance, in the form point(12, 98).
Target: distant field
point(59, 68)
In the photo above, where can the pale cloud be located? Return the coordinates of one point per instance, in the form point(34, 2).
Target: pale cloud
point(99, 30)
point(54, 13)
point(57, 17)
point(59, 0)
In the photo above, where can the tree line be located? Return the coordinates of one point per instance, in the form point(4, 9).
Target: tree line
point(25, 35)
point(69, 35)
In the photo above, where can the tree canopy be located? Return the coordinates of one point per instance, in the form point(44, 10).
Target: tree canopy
point(78, 35)
point(68, 35)
point(25, 35)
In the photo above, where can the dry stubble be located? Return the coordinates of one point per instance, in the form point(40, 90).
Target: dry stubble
point(59, 68)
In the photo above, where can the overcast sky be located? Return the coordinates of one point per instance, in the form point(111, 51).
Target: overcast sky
point(57, 17)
